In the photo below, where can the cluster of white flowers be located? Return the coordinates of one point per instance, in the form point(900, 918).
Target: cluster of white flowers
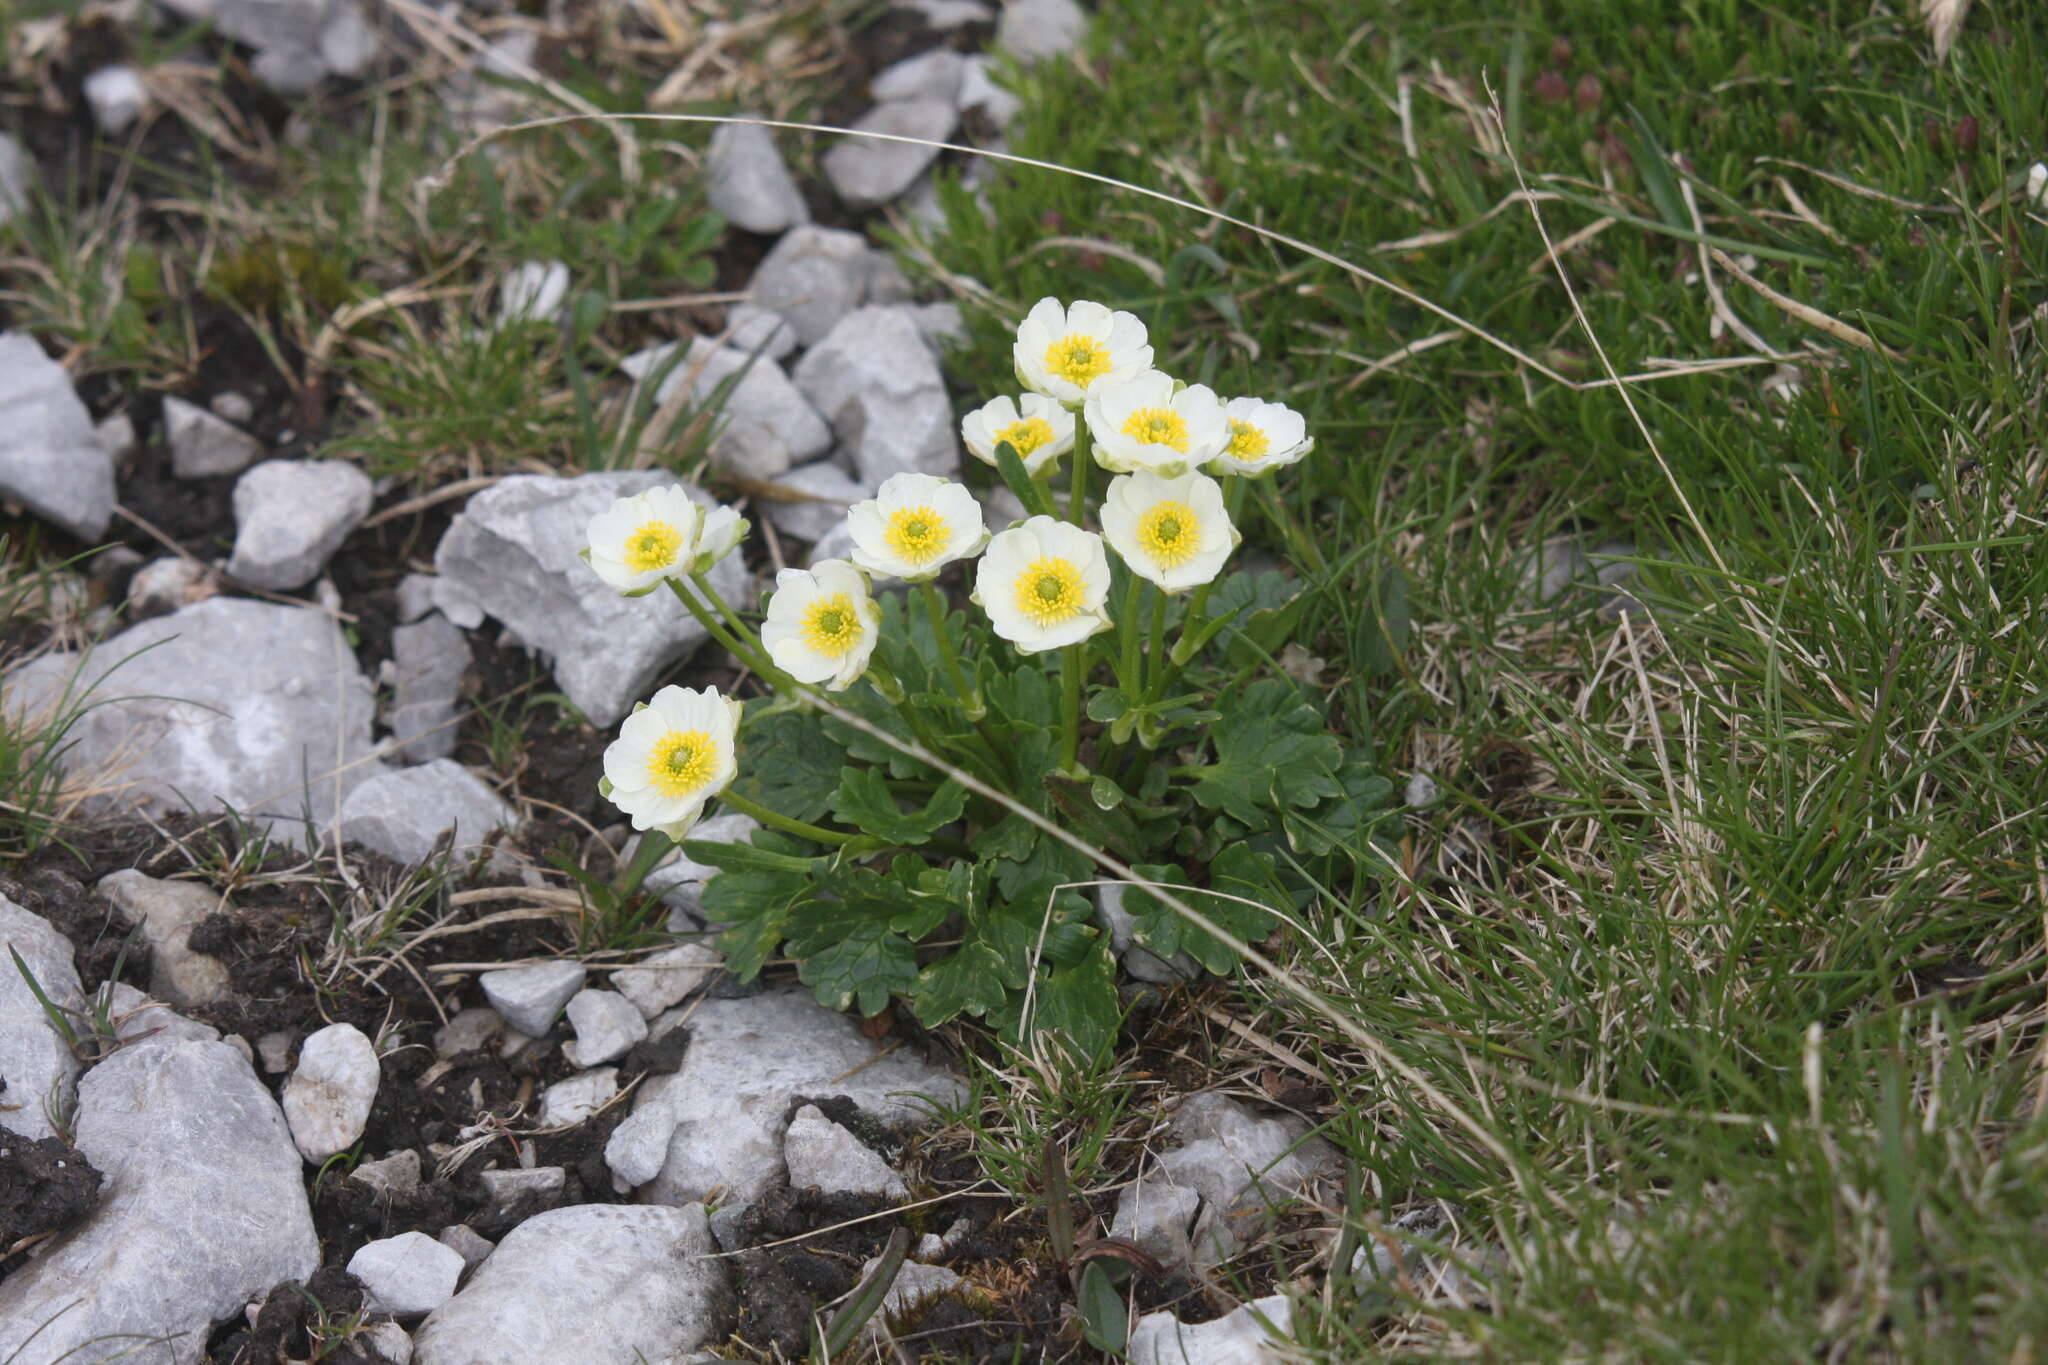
point(1044, 582)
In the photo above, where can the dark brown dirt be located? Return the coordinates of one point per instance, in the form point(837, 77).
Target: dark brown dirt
point(302, 1322)
point(46, 1185)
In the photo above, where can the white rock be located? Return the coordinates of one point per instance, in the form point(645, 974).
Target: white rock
point(766, 424)
point(941, 326)
point(290, 518)
point(1237, 1338)
point(396, 1174)
point(203, 1210)
point(914, 1284)
point(821, 1154)
point(17, 178)
point(530, 997)
point(512, 554)
point(664, 980)
point(930, 75)
point(477, 103)
point(829, 491)
point(533, 292)
point(837, 544)
point(202, 445)
point(168, 912)
point(576, 1099)
point(598, 1284)
point(979, 91)
point(945, 15)
point(680, 881)
point(40, 1071)
point(813, 277)
point(117, 97)
point(607, 1024)
point(274, 1051)
point(415, 596)
point(751, 329)
point(289, 70)
point(403, 813)
point(516, 1192)
point(327, 1100)
point(408, 1275)
point(347, 43)
point(429, 660)
point(116, 436)
point(230, 406)
point(1141, 962)
point(719, 1120)
point(142, 1022)
point(1405, 1253)
point(886, 281)
point(166, 585)
point(1033, 29)
point(867, 172)
point(390, 1341)
point(877, 383)
point(471, 1030)
point(474, 1249)
point(1420, 793)
point(747, 181)
point(51, 461)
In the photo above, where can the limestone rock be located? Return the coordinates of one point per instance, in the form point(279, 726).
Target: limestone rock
point(828, 491)
point(664, 980)
point(751, 329)
point(51, 461)
point(1034, 29)
point(290, 518)
point(408, 1275)
point(473, 1248)
point(869, 172)
point(576, 1099)
point(979, 91)
point(530, 997)
point(117, 98)
point(471, 1030)
point(397, 1174)
point(40, 1072)
point(533, 292)
point(403, 813)
point(1141, 962)
point(823, 1155)
point(606, 1025)
point(202, 445)
point(415, 597)
point(765, 424)
point(164, 585)
point(1237, 1338)
point(327, 1100)
point(879, 386)
point(429, 660)
point(168, 912)
point(813, 277)
point(680, 881)
point(747, 181)
point(934, 74)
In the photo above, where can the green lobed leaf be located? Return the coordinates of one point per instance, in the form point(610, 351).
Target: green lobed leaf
point(1076, 1006)
point(864, 801)
point(969, 981)
point(1272, 752)
point(789, 764)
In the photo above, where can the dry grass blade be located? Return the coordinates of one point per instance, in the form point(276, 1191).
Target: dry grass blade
point(1944, 20)
point(1805, 313)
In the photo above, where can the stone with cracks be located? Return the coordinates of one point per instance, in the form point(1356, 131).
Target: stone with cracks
point(720, 1119)
point(415, 596)
point(868, 172)
point(1237, 1338)
point(827, 490)
point(204, 446)
point(751, 329)
point(813, 277)
point(402, 813)
point(290, 518)
point(327, 1100)
point(40, 1072)
point(598, 1284)
point(165, 585)
point(17, 178)
point(765, 426)
point(512, 554)
point(390, 1341)
point(576, 1099)
point(522, 1191)
point(408, 1275)
point(168, 912)
point(117, 98)
point(51, 461)
point(1034, 29)
point(879, 386)
point(680, 880)
point(397, 1174)
point(529, 998)
point(606, 1024)
point(203, 1209)
point(468, 1243)
point(429, 660)
point(666, 979)
point(932, 75)
point(747, 180)
point(822, 1155)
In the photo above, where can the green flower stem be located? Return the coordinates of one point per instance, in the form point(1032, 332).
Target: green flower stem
point(740, 629)
point(654, 846)
point(745, 649)
point(777, 820)
point(935, 607)
point(1071, 664)
point(1127, 673)
point(1155, 655)
point(1084, 455)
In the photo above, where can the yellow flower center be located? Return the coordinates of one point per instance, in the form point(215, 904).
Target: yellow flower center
point(916, 533)
point(1077, 358)
point(1247, 442)
point(1159, 427)
point(831, 625)
point(1170, 532)
point(682, 761)
point(1027, 435)
point(652, 545)
point(1049, 591)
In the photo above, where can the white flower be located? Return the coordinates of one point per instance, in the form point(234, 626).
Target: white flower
point(721, 531)
point(1263, 437)
point(1039, 427)
point(1171, 531)
point(2037, 185)
point(1149, 424)
point(1043, 584)
point(915, 526)
point(638, 541)
point(532, 292)
point(1068, 353)
point(822, 624)
point(672, 755)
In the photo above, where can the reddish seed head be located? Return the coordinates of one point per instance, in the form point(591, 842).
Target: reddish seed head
point(1966, 134)
point(1587, 93)
point(1551, 87)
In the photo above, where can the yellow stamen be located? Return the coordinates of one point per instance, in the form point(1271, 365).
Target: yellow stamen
point(917, 533)
point(1247, 442)
point(652, 545)
point(682, 761)
point(831, 625)
point(1077, 358)
point(1049, 591)
point(1170, 533)
point(1158, 427)
point(1027, 435)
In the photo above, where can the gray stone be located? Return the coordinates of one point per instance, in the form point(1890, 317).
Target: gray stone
point(1420, 793)
point(396, 1174)
point(512, 554)
point(116, 436)
point(821, 1154)
point(348, 44)
point(230, 406)
point(168, 912)
point(941, 326)
point(17, 178)
point(680, 881)
point(139, 1021)
point(473, 1249)
point(930, 75)
point(402, 813)
point(979, 91)
point(289, 70)
point(203, 1209)
point(867, 172)
point(569, 1102)
point(1034, 29)
point(530, 997)
point(765, 426)
point(751, 329)
point(471, 1030)
point(747, 181)
point(202, 445)
point(532, 292)
point(40, 1072)
point(429, 660)
point(488, 94)
point(886, 281)
point(943, 16)
point(264, 24)
point(666, 979)
point(290, 518)
point(1141, 962)
point(415, 597)
point(519, 1193)
point(51, 462)
point(407, 1276)
point(606, 1024)
point(165, 585)
point(117, 98)
point(598, 1284)
point(1237, 1338)
point(879, 386)
point(829, 490)
point(1615, 576)
point(327, 1100)
point(813, 277)
point(719, 1120)
point(1408, 1255)
point(1159, 1218)
point(274, 1051)
point(837, 544)
point(389, 1340)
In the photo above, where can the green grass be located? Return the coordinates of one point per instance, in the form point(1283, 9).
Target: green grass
point(1751, 968)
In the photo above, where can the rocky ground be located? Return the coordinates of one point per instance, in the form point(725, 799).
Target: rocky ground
point(315, 1051)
